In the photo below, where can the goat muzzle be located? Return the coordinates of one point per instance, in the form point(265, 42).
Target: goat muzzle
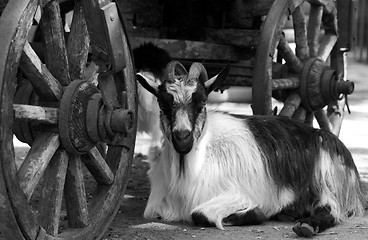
point(183, 141)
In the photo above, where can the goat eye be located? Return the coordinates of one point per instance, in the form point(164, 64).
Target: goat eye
point(166, 103)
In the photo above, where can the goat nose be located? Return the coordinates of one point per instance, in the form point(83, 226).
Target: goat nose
point(181, 135)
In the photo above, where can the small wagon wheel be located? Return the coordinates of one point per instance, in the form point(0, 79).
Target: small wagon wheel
point(312, 77)
point(81, 134)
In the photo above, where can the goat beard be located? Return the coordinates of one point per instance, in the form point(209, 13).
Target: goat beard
point(182, 165)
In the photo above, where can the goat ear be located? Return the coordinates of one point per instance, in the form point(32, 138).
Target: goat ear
point(218, 80)
point(148, 82)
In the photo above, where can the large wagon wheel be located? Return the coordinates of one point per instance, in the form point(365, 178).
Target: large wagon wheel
point(312, 77)
point(66, 187)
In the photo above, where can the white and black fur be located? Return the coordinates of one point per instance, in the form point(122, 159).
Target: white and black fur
point(216, 168)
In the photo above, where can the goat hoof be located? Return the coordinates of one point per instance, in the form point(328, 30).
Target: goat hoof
point(201, 220)
point(304, 230)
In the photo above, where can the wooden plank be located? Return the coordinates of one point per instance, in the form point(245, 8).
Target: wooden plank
point(43, 82)
point(78, 44)
point(37, 113)
point(53, 32)
point(52, 193)
point(183, 49)
point(98, 167)
point(36, 161)
point(75, 194)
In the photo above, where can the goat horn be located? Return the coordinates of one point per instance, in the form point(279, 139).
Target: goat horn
point(173, 69)
point(196, 71)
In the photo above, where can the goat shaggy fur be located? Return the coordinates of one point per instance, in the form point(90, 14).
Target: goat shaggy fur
point(243, 170)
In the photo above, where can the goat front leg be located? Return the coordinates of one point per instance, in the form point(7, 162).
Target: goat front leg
point(229, 209)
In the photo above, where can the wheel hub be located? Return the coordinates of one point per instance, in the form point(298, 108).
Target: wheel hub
point(320, 85)
point(84, 120)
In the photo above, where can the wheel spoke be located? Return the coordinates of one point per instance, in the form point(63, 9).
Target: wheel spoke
point(98, 167)
point(326, 46)
point(41, 114)
point(292, 61)
point(52, 192)
point(323, 121)
point(36, 161)
point(75, 194)
point(78, 44)
point(291, 104)
point(36, 72)
point(300, 30)
point(309, 119)
point(285, 83)
point(300, 114)
point(56, 57)
point(314, 28)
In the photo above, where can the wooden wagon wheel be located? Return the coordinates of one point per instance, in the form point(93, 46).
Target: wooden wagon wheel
point(66, 187)
point(312, 77)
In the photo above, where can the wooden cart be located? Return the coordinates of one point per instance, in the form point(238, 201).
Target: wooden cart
point(82, 131)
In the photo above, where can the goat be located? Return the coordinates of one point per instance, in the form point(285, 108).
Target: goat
point(218, 169)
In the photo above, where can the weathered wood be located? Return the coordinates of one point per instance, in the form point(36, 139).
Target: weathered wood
point(300, 114)
point(291, 104)
point(75, 194)
point(98, 167)
point(293, 62)
point(53, 32)
point(36, 161)
point(183, 49)
point(72, 116)
point(270, 36)
point(95, 25)
point(8, 223)
point(323, 121)
point(15, 24)
point(43, 82)
point(237, 37)
point(300, 34)
point(78, 44)
point(285, 83)
point(106, 83)
point(37, 113)
point(327, 44)
point(314, 28)
point(52, 192)
point(329, 5)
